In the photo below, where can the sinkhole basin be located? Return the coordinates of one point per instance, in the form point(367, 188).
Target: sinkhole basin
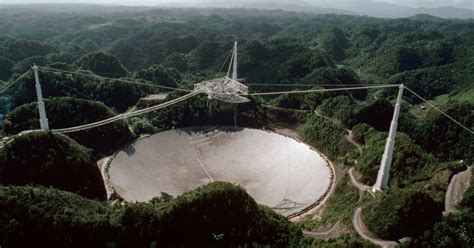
point(277, 171)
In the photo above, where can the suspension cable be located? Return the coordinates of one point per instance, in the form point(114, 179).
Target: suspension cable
point(74, 90)
point(441, 111)
point(182, 98)
point(230, 63)
point(14, 82)
point(223, 64)
point(193, 93)
point(125, 115)
point(324, 90)
point(113, 79)
point(305, 85)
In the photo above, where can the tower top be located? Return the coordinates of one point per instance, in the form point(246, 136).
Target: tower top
point(234, 73)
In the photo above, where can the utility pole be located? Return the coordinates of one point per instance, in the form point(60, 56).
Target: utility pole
point(234, 73)
point(384, 171)
point(42, 111)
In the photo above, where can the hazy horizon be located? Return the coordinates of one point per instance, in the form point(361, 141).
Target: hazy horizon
point(411, 3)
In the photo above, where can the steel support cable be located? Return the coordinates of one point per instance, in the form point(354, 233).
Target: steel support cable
point(223, 64)
point(159, 106)
point(14, 82)
point(113, 79)
point(439, 110)
point(74, 90)
point(306, 85)
point(125, 115)
point(324, 90)
point(230, 63)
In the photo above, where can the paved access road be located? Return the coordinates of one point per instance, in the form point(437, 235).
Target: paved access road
point(362, 230)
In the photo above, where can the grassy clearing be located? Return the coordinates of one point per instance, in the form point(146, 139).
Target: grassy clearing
point(463, 96)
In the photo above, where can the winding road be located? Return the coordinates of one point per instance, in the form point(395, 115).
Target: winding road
point(362, 230)
point(357, 184)
point(349, 136)
point(334, 231)
point(456, 189)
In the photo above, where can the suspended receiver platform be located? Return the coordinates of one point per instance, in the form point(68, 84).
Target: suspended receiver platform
point(223, 89)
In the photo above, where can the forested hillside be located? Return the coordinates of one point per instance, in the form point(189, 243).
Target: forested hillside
point(61, 219)
point(278, 51)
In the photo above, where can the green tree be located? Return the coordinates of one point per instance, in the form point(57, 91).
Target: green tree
point(26, 64)
point(454, 230)
point(66, 112)
point(18, 50)
point(245, 224)
point(160, 75)
point(336, 76)
point(50, 160)
point(379, 108)
point(182, 44)
point(102, 64)
point(437, 53)
point(301, 64)
point(68, 55)
point(6, 67)
point(394, 59)
point(409, 161)
point(400, 213)
point(203, 56)
point(334, 41)
point(359, 132)
point(200, 110)
point(326, 136)
point(446, 139)
point(340, 108)
point(37, 216)
point(468, 198)
point(428, 82)
point(178, 61)
point(115, 94)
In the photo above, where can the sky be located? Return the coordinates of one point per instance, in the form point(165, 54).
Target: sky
point(412, 3)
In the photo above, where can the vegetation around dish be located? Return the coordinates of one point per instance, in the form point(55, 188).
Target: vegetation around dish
point(40, 158)
point(39, 215)
point(67, 112)
point(278, 51)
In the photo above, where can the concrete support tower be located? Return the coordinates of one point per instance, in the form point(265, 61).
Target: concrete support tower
point(42, 112)
point(234, 77)
point(384, 171)
point(234, 73)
